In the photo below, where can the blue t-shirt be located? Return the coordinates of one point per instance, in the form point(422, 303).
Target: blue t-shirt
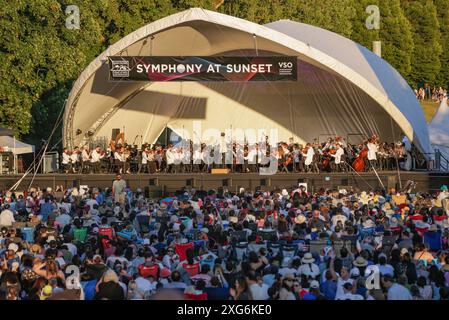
point(46, 209)
point(217, 293)
point(89, 289)
point(329, 289)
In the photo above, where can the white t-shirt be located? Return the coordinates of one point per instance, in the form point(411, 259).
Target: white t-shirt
point(259, 292)
point(7, 218)
point(372, 150)
point(340, 290)
point(350, 296)
point(309, 269)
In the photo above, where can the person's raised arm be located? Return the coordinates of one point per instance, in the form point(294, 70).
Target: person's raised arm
point(332, 269)
point(37, 268)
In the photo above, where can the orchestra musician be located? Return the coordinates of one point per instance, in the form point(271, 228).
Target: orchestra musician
point(75, 160)
point(339, 153)
point(170, 156)
point(95, 159)
point(197, 158)
point(144, 161)
point(308, 152)
point(372, 154)
point(297, 159)
point(85, 159)
point(120, 157)
point(251, 158)
point(292, 157)
point(66, 160)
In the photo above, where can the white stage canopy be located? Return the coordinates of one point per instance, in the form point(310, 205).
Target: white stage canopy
point(342, 88)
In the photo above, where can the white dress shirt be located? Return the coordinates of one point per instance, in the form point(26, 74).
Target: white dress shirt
point(65, 158)
point(309, 156)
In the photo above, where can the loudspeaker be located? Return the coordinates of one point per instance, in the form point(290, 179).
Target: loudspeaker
point(51, 163)
point(189, 183)
point(153, 192)
point(265, 182)
point(227, 183)
point(153, 182)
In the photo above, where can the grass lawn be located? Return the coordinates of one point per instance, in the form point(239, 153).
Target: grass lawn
point(430, 108)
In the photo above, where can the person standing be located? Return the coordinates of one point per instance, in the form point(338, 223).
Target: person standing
point(118, 189)
point(95, 158)
point(372, 154)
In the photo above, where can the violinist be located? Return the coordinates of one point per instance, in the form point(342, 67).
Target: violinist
point(337, 155)
point(239, 155)
point(66, 160)
point(75, 159)
point(281, 158)
point(120, 159)
point(85, 157)
point(297, 159)
point(251, 158)
point(197, 158)
point(308, 152)
point(144, 167)
point(96, 156)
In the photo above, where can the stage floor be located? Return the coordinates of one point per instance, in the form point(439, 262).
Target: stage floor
point(169, 183)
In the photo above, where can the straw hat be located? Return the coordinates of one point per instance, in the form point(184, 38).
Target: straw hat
point(360, 262)
point(308, 258)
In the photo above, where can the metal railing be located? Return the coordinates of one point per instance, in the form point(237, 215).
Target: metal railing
point(437, 161)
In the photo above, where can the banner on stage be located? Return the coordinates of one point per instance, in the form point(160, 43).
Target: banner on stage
point(240, 69)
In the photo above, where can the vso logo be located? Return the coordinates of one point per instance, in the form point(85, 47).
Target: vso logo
point(285, 65)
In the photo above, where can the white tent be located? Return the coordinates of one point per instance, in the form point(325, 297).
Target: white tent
point(15, 146)
point(439, 129)
point(342, 88)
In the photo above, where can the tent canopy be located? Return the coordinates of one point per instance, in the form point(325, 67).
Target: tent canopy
point(16, 146)
point(439, 129)
point(342, 88)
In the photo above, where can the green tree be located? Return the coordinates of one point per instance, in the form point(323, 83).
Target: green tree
point(443, 17)
point(360, 32)
point(426, 64)
point(336, 16)
point(396, 36)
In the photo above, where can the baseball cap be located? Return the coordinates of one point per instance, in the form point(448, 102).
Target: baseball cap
point(314, 284)
point(46, 292)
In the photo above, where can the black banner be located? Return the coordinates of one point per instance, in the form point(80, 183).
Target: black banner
point(272, 68)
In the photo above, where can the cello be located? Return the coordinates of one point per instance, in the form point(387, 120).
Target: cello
point(359, 162)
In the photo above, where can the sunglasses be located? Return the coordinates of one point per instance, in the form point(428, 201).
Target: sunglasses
point(288, 280)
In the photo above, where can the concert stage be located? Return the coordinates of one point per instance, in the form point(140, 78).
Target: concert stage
point(164, 184)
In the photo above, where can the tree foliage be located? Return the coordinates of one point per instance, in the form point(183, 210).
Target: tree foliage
point(426, 64)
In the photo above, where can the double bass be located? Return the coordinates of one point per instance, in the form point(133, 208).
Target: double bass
point(359, 163)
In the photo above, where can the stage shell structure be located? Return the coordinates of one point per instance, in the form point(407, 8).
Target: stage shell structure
point(342, 88)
